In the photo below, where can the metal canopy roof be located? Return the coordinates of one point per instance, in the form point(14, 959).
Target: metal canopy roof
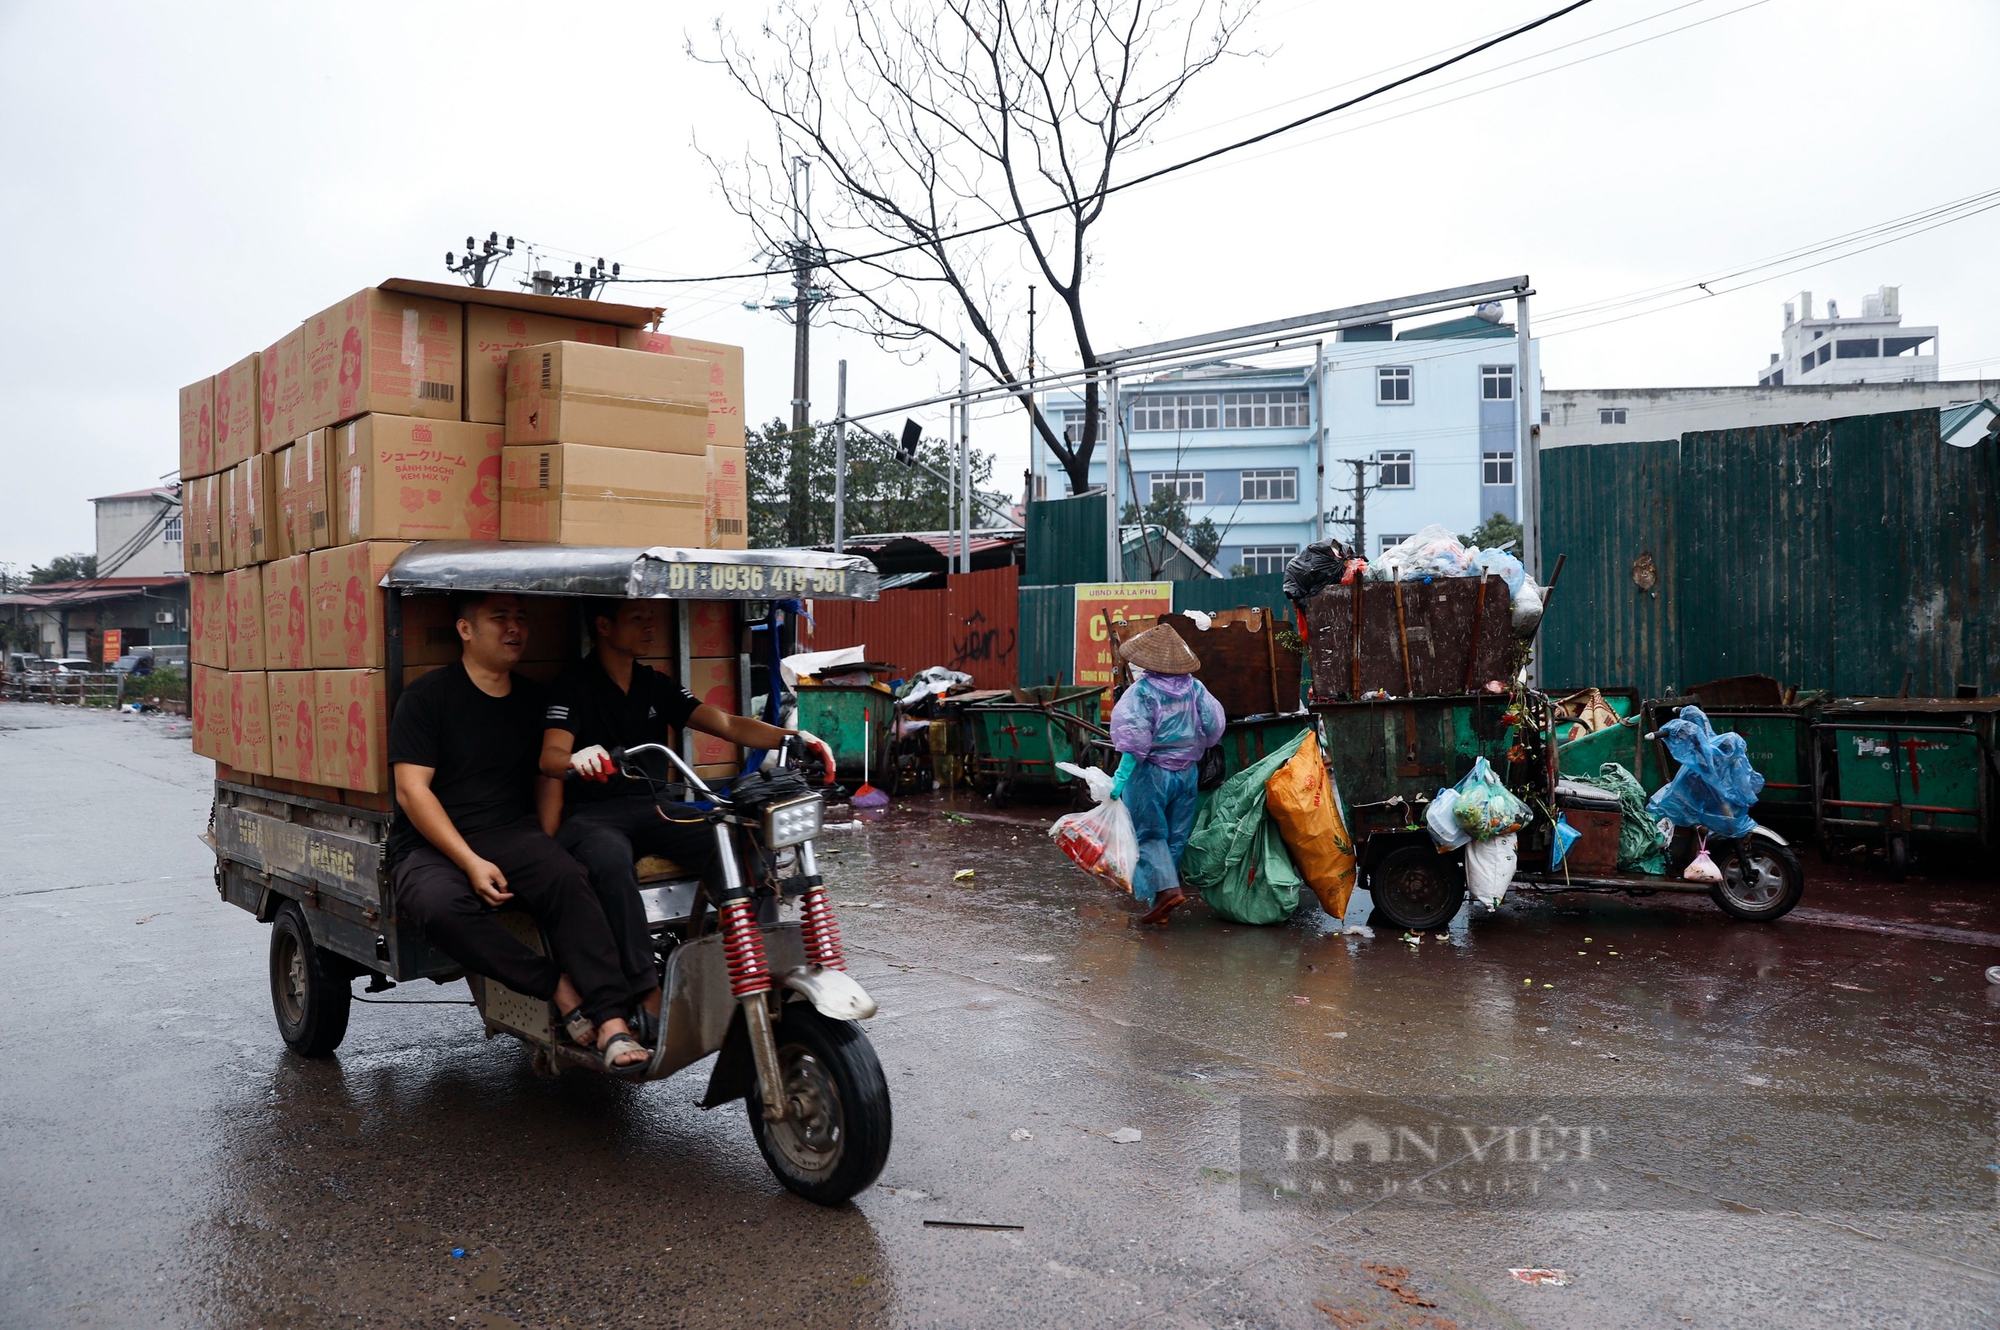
point(660, 573)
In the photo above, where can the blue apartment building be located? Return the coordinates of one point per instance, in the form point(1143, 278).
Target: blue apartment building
point(1429, 411)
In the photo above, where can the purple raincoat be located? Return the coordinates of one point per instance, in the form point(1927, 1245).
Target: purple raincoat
point(1169, 720)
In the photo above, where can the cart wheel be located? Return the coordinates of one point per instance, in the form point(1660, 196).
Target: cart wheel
point(1418, 889)
point(310, 1001)
point(1770, 890)
point(837, 1138)
point(1003, 793)
point(1899, 858)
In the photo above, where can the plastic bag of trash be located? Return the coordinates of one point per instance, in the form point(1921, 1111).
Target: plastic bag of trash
point(1100, 840)
point(1442, 821)
point(1485, 807)
point(1235, 856)
point(1716, 784)
point(1642, 847)
point(1566, 836)
point(1527, 608)
point(1505, 565)
point(1432, 552)
point(1489, 869)
point(1318, 565)
point(1702, 868)
point(1301, 798)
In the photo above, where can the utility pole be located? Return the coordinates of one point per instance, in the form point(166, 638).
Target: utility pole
point(1114, 547)
point(1319, 441)
point(802, 272)
point(1361, 488)
point(1034, 435)
point(964, 458)
point(1528, 484)
point(840, 463)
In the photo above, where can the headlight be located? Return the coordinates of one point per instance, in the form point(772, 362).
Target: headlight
point(792, 822)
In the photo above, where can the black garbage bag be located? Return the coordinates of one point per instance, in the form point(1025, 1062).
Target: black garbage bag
point(1318, 565)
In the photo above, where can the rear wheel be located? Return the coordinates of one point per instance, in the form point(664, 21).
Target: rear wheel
point(1771, 887)
point(309, 987)
point(837, 1137)
point(1418, 889)
point(1899, 858)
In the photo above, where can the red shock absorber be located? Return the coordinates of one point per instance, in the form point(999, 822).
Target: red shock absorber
point(743, 948)
point(820, 931)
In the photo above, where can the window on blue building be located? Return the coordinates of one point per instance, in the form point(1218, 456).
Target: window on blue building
point(1262, 559)
point(1496, 383)
point(1271, 485)
point(1267, 410)
point(1192, 486)
point(1497, 468)
point(1176, 411)
point(1073, 425)
point(1395, 470)
point(1392, 385)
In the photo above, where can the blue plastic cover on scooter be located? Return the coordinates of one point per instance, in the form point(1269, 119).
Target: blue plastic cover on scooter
point(1716, 784)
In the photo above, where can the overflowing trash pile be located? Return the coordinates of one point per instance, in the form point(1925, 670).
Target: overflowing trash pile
point(1482, 815)
point(1432, 552)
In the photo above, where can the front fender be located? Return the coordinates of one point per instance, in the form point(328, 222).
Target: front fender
point(834, 992)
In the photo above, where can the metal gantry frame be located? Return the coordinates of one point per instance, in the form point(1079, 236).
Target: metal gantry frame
point(1295, 333)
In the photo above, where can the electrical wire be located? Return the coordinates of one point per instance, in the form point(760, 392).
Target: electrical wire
point(834, 260)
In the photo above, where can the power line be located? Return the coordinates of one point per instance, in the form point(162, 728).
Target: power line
point(1170, 169)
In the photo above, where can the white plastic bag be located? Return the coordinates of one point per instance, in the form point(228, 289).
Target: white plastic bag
point(1446, 834)
point(1099, 840)
point(1527, 609)
point(1489, 869)
point(1702, 868)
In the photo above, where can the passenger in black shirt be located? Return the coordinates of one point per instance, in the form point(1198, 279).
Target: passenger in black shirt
point(610, 700)
point(472, 833)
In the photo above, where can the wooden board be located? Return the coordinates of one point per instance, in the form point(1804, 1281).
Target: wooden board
point(1426, 638)
point(1241, 663)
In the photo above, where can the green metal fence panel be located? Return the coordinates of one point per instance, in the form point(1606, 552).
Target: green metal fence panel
point(1047, 635)
point(1214, 594)
point(1065, 541)
point(1916, 532)
point(1755, 560)
point(1612, 509)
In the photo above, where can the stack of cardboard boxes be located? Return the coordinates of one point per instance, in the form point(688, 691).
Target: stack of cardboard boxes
point(401, 414)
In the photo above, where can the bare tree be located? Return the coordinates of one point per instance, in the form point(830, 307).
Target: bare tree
point(933, 119)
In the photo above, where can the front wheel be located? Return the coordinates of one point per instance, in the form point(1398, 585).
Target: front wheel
point(309, 990)
point(1770, 888)
point(1418, 889)
point(837, 1138)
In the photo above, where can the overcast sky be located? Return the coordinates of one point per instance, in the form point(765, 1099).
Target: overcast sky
point(185, 182)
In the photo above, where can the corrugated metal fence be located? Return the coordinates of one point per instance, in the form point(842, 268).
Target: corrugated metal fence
point(970, 625)
point(1846, 554)
point(1048, 618)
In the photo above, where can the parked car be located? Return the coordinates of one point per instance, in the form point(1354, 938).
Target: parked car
point(133, 663)
point(74, 665)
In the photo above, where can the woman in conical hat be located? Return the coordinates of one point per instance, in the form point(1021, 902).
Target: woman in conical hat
point(1162, 725)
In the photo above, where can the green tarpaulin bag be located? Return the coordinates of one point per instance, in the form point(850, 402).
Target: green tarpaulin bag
point(1640, 848)
point(1235, 857)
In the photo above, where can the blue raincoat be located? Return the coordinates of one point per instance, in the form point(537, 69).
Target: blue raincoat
point(1163, 724)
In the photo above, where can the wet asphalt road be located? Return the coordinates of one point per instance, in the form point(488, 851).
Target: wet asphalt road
point(164, 1160)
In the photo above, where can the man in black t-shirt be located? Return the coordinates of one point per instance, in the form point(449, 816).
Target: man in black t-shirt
point(472, 833)
point(610, 700)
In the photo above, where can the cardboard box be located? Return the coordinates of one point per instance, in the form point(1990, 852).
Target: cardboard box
point(570, 392)
point(243, 618)
point(400, 478)
point(253, 514)
point(713, 680)
point(198, 429)
point(193, 547)
point(294, 724)
point(725, 377)
point(305, 498)
point(352, 739)
point(281, 392)
point(576, 494)
point(343, 588)
point(430, 633)
point(287, 618)
point(236, 414)
point(728, 499)
point(380, 352)
point(208, 709)
point(492, 332)
point(249, 721)
point(208, 620)
point(712, 628)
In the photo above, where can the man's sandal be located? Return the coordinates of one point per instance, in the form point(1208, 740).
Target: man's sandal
point(620, 1044)
point(582, 1031)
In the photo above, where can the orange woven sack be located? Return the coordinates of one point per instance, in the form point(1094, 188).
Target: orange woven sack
point(1301, 799)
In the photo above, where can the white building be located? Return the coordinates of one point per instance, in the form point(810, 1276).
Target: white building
point(1873, 348)
point(1573, 416)
point(139, 534)
point(1429, 413)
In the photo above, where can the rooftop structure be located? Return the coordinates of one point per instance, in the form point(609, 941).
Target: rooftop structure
point(1873, 347)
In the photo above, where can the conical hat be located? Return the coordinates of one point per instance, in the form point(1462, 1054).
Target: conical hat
point(1159, 650)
